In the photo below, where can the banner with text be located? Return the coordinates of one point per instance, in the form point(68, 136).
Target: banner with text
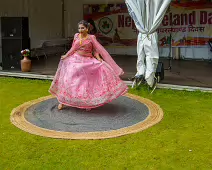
point(188, 24)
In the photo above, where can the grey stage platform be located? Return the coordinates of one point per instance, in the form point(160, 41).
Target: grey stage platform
point(120, 113)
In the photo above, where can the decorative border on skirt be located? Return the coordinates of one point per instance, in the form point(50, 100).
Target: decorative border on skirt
point(18, 119)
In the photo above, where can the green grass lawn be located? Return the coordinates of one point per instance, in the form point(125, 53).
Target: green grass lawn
point(187, 125)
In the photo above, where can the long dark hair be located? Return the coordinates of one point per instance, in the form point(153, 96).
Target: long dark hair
point(94, 31)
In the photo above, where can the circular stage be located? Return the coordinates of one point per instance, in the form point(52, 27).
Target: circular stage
point(125, 115)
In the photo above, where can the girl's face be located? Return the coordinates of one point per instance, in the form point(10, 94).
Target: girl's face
point(82, 28)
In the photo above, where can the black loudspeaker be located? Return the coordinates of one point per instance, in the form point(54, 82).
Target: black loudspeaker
point(160, 71)
point(11, 53)
point(15, 37)
point(17, 27)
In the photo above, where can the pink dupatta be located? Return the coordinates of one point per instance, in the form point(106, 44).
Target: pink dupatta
point(101, 50)
point(106, 56)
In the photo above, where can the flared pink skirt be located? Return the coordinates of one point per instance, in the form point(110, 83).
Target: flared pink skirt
point(85, 82)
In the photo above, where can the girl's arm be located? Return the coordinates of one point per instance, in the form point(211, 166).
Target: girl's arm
point(97, 56)
point(71, 50)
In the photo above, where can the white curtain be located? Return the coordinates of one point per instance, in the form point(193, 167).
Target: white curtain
point(147, 15)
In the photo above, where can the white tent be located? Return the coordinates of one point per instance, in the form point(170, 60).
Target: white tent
point(147, 15)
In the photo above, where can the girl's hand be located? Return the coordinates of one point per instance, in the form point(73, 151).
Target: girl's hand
point(100, 59)
point(97, 56)
point(63, 57)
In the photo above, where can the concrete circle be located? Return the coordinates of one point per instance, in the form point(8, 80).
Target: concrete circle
point(125, 115)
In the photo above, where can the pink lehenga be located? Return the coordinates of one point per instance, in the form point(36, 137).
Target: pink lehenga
point(82, 81)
